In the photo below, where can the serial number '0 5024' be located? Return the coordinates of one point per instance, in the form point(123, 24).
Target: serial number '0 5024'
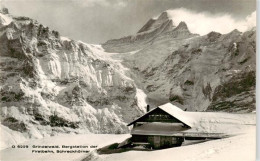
point(22, 146)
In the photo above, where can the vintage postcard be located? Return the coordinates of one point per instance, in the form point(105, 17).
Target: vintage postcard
point(128, 80)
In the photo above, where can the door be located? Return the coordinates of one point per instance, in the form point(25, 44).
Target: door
point(157, 140)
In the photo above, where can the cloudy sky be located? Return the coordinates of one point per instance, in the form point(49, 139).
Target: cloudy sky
point(95, 21)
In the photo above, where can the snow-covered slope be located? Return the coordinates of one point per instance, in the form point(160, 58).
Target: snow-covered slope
point(239, 148)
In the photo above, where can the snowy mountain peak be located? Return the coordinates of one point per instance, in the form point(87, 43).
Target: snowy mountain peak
point(163, 16)
point(159, 22)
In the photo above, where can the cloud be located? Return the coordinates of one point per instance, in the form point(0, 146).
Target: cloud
point(86, 3)
point(103, 3)
point(1, 4)
point(251, 20)
point(204, 22)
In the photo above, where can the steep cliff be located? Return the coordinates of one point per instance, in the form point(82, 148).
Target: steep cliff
point(52, 84)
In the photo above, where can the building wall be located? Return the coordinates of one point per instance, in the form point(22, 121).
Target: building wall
point(158, 142)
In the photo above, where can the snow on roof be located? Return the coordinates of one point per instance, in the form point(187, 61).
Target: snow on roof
point(177, 113)
point(174, 111)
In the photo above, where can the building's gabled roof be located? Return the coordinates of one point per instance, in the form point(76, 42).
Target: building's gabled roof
point(173, 111)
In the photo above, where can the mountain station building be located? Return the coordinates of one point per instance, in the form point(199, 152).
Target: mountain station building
point(166, 126)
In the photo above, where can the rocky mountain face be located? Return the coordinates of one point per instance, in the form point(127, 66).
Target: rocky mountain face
point(213, 72)
point(51, 84)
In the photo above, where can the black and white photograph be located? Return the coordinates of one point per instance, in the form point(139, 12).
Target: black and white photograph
point(128, 80)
